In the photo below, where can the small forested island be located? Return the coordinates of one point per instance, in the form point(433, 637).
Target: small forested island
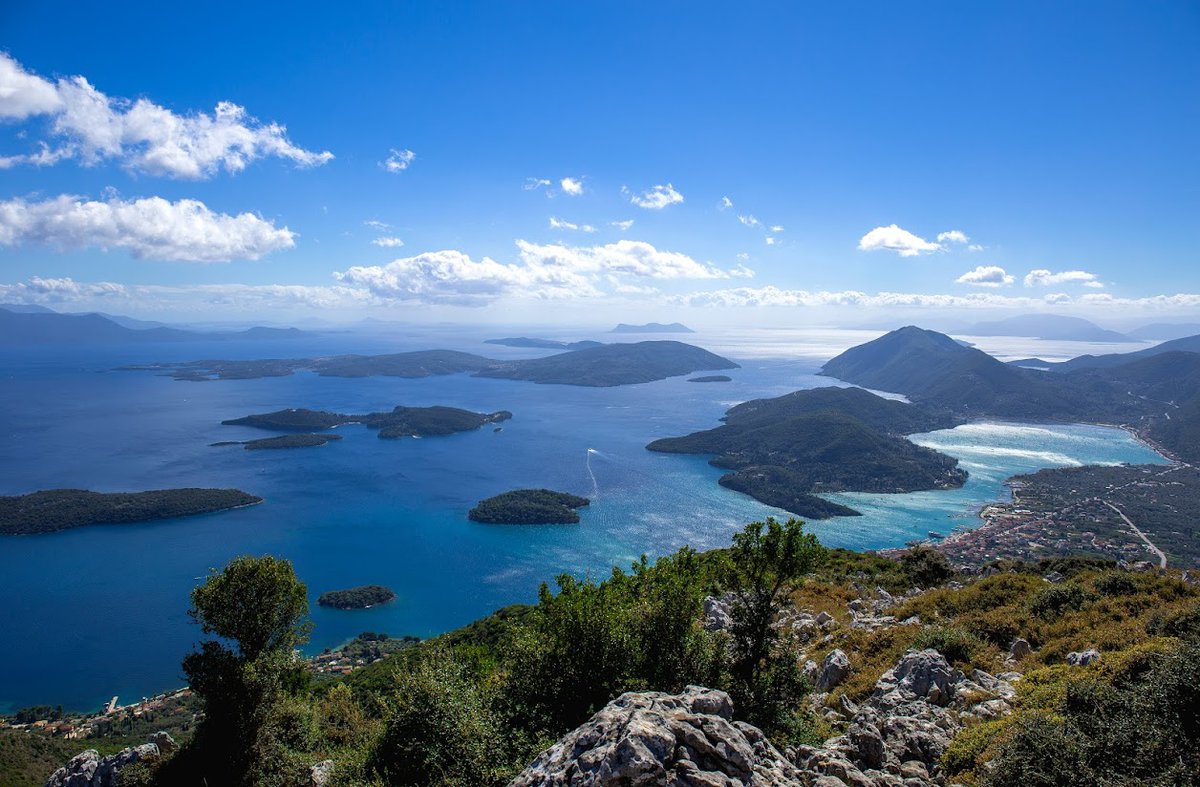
point(782, 451)
point(51, 510)
point(399, 422)
point(529, 507)
point(283, 441)
point(652, 327)
point(612, 364)
point(359, 597)
point(420, 363)
point(711, 378)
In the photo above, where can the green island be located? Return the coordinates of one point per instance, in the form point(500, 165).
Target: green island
point(360, 597)
point(52, 510)
point(283, 441)
point(529, 507)
point(783, 451)
point(711, 378)
point(585, 363)
point(399, 422)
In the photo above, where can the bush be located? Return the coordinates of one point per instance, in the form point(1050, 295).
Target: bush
point(1041, 752)
point(926, 567)
point(996, 627)
point(1051, 602)
point(1115, 583)
point(956, 644)
point(1184, 624)
point(441, 731)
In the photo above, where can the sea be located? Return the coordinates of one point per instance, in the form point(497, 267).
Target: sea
point(101, 611)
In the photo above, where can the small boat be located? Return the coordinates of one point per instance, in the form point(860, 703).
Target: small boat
point(498, 429)
point(936, 535)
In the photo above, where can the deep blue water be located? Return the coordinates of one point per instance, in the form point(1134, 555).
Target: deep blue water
point(99, 611)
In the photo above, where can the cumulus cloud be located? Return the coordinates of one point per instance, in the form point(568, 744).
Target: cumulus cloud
point(986, 276)
point(145, 137)
point(375, 224)
point(893, 238)
point(726, 203)
point(150, 228)
point(771, 240)
point(542, 271)
point(398, 161)
point(533, 184)
point(1042, 277)
point(974, 247)
point(571, 186)
point(776, 228)
point(953, 236)
point(622, 225)
point(749, 220)
point(388, 242)
point(656, 198)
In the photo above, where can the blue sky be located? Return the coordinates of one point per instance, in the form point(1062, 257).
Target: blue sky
point(1053, 146)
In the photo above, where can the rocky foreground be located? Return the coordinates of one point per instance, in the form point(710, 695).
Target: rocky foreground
point(894, 739)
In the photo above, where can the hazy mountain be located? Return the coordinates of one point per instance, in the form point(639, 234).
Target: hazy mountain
point(652, 327)
point(1161, 332)
point(48, 327)
point(1190, 344)
point(1047, 326)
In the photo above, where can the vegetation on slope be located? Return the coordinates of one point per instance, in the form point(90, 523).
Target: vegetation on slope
point(529, 507)
point(52, 510)
point(399, 422)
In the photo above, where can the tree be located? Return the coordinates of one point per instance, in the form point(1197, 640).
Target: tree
point(765, 559)
point(258, 605)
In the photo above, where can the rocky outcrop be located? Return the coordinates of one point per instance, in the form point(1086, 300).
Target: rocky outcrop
point(89, 769)
point(895, 738)
point(834, 670)
point(718, 613)
point(1083, 658)
point(650, 738)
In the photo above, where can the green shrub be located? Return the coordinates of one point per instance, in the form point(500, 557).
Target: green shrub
point(1052, 601)
point(926, 567)
point(956, 644)
point(1184, 624)
point(1115, 583)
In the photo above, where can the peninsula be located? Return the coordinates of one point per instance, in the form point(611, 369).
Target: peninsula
point(53, 510)
point(361, 597)
point(712, 378)
point(529, 507)
point(612, 364)
point(598, 365)
point(783, 451)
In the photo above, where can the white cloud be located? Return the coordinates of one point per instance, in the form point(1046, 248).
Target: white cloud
point(776, 228)
point(375, 224)
point(726, 203)
point(986, 276)
point(771, 240)
point(656, 198)
point(533, 184)
point(622, 225)
point(571, 186)
point(974, 247)
point(893, 238)
point(1179, 303)
point(388, 242)
point(23, 94)
point(953, 236)
point(1045, 278)
point(543, 271)
point(749, 220)
point(559, 224)
point(142, 135)
point(398, 161)
point(151, 228)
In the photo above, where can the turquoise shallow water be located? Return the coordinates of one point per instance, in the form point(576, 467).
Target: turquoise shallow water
point(100, 611)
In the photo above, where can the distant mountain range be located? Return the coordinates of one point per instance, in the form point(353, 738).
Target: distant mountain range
point(36, 325)
point(1047, 326)
point(652, 327)
point(1157, 390)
